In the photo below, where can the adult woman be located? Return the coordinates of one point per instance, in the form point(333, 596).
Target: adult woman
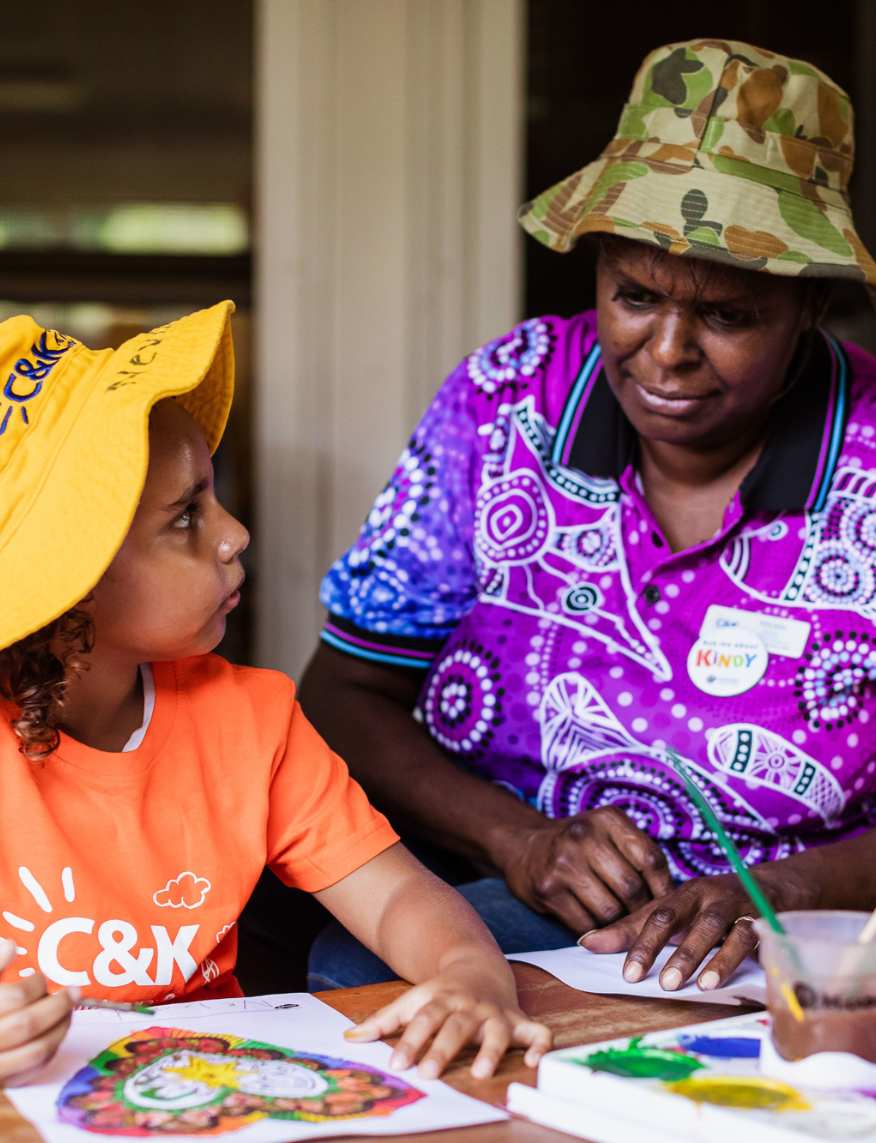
point(577, 498)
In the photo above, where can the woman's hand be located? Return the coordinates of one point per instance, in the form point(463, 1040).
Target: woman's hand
point(698, 915)
point(461, 1005)
point(585, 870)
point(32, 1023)
point(588, 870)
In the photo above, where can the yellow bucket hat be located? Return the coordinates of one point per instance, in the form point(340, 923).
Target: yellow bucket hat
point(74, 448)
point(726, 152)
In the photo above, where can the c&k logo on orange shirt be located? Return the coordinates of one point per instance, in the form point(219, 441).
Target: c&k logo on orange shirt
point(124, 959)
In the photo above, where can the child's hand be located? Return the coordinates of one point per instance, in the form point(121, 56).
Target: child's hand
point(463, 1004)
point(32, 1023)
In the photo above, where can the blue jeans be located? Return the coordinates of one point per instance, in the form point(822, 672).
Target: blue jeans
point(338, 960)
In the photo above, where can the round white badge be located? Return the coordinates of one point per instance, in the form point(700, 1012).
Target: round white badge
point(727, 663)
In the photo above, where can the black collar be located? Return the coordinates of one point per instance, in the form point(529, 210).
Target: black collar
point(796, 466)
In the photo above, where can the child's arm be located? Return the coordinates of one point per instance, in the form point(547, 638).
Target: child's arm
point(464, 988)
point(32, 1023)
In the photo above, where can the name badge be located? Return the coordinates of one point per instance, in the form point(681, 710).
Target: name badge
point(726, 663)
point(780, 636)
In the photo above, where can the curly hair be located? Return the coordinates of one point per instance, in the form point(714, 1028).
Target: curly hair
point(34, 673)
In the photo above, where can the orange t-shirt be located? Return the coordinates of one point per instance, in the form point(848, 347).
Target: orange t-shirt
point(125, 873)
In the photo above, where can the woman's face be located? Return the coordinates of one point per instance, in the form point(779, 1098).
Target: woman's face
point(695, 352)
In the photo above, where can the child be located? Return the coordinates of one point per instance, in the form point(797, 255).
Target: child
point(146, 783)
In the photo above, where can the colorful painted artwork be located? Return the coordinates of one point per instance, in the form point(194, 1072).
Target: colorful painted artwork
point(167, 1081)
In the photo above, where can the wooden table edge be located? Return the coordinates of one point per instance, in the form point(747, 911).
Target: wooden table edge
point(574, 1017)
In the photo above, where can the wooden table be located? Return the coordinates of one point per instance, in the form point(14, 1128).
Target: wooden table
point(575, 1018)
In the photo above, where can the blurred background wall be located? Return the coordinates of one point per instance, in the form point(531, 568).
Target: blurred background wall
point(348, 172)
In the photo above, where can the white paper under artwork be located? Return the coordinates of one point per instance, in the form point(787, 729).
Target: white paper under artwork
point(603, 973)
point(264, 1069)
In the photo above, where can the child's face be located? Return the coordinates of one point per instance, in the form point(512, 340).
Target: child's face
point(177, 574)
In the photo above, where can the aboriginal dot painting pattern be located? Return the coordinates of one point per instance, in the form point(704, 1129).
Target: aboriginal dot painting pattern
point(515, 357)
point(554, 623)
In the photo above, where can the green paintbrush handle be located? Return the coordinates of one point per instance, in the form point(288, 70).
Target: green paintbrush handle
point(749, 884)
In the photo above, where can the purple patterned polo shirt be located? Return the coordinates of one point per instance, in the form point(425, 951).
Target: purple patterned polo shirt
point(513, 558)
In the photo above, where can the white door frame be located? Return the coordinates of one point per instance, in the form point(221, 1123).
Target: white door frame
point(388, 172)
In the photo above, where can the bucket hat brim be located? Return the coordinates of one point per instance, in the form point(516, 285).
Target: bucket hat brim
point(613, 196)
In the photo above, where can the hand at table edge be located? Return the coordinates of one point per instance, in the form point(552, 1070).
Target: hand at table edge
point(458, 1006)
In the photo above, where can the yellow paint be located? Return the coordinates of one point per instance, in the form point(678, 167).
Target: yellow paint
point(741, 1091)
point(214, 1075)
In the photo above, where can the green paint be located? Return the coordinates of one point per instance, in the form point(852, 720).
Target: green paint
point(637, 1062)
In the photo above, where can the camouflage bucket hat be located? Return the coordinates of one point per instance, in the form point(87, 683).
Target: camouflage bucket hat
point(727, 152)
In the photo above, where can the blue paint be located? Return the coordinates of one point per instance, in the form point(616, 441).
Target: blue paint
point(722, 1047)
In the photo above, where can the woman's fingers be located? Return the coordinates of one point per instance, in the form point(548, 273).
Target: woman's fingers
point(707, 930)
point(592, 889)
point(648, 862)
point(623, 880)
point(741, 942)
point(656, 932)
point(617, 937)
point(697, 916)
point(563, 902)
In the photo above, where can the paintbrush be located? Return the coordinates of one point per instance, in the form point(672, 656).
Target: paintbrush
point(749, 884)
point(114, 1006)
point(869, 930)
point(853, 964)
point(733, 855)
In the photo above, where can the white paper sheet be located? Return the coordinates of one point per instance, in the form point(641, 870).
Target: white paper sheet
point(192, 1078)
point(603, 973)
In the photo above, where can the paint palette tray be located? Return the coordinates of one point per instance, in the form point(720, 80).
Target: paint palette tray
point(705, 1082)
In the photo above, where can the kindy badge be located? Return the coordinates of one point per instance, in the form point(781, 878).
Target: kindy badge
point(728, 662)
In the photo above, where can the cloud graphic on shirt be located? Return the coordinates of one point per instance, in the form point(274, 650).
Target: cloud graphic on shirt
point(186, 891)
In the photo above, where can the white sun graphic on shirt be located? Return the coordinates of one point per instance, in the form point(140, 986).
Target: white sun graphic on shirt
point(41, 897)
